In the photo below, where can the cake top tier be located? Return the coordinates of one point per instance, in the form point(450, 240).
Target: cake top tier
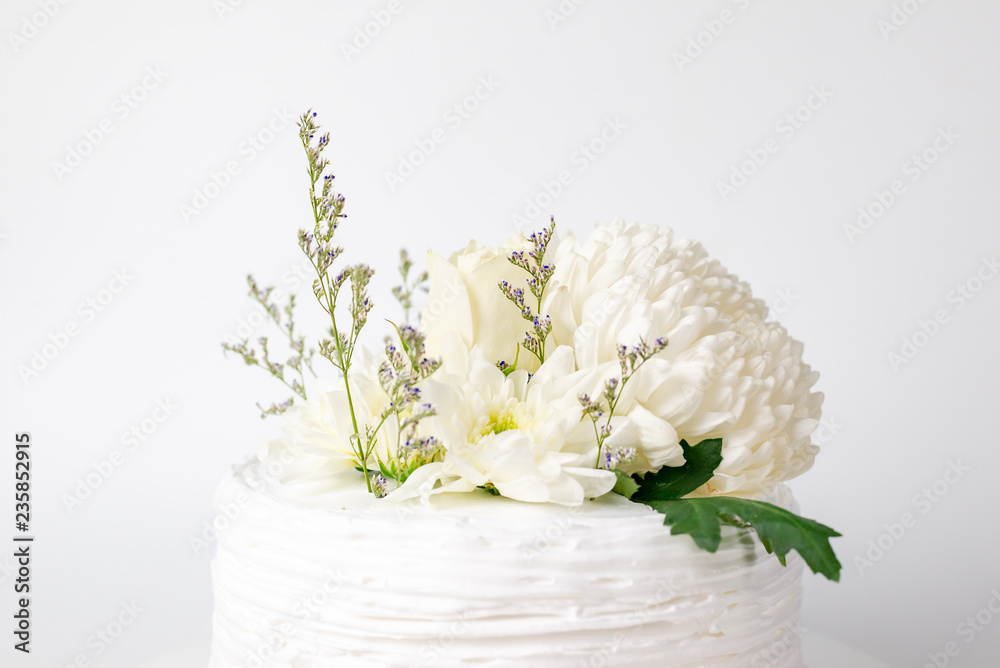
point(476, 580)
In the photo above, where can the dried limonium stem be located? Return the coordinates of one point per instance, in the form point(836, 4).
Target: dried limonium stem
point(404, 293)
point(540, 272)
point(319, 247)
point(630, 359)
point(300, 360)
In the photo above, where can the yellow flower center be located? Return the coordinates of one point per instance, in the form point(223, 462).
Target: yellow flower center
point(503, 422)
point(499, 420)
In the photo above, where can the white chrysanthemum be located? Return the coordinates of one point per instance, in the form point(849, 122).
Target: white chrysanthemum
point(725, 372)
point(317, 445)
point(525, 439)
point(464, 299)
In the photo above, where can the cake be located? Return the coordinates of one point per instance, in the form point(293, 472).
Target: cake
point(347, 581)
point(574, 455)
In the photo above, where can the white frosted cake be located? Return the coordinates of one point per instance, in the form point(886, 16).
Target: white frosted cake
point(350, 581)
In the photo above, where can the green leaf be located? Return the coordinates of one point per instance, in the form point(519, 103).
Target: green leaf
point(673, 482)
point(780, 531)
point(626, 485)
point(698, 520)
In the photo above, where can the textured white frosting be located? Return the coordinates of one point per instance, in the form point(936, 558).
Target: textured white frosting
point(343, 580)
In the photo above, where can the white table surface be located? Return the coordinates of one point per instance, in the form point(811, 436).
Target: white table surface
point(820, 652)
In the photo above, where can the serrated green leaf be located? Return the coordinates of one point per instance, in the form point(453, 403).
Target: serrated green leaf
point(780, 530)
point(698, 520)
point(625, 486)
point(673, 482)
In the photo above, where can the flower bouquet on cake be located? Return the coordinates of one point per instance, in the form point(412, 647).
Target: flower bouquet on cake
point(552, 369)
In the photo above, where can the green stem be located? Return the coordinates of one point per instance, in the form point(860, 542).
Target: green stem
point(600, 442)
point(330, 307)
point(612, 405)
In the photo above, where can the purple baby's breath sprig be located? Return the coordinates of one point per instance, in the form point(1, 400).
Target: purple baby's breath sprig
point(399, 375)
point(379, 485)
point(615, 458)
point(414, 453)
point(404, 293)
point(630, 360)
point(591, 408)
point(540, 272)
point(275, 409)
point(319, 247)
point(298, 362)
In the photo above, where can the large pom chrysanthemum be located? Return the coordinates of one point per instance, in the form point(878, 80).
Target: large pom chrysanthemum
point(726, 371)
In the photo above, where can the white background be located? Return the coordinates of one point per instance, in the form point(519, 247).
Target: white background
point(891, 432)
